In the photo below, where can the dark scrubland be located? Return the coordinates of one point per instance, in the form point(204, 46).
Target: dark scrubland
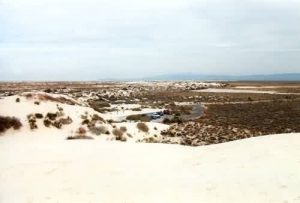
point(228, 122)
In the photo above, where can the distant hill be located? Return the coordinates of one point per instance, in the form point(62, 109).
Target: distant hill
point(193, 76)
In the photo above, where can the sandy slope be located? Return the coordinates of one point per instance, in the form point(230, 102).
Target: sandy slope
point(44, 168)
point(9, 107)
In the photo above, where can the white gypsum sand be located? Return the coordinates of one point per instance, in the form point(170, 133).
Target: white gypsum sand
point(9, 107)
point(47, 168)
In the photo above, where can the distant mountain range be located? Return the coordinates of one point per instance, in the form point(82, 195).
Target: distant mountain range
point(193, 76)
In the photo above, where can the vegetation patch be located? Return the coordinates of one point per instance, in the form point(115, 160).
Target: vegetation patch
point(100, 106)
point(136, 109)
point(32, 121)
point(79, 134)
point(7, 122)
point(123, 129)
point(38, 115)
point(98, 130)
point(119, 135)
point(227, 122)
point(142, 127)
point(139, 117)
point(56, 119)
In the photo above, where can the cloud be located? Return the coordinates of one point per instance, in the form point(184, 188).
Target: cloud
point(91, 39)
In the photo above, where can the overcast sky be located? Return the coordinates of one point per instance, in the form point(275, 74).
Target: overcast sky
point(92, 39)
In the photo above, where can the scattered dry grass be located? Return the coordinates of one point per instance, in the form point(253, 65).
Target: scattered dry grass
point(46, 97)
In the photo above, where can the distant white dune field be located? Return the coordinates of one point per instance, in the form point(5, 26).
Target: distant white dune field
point(46, 168)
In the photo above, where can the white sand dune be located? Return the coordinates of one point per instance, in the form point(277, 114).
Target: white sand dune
point(9, 107)
point(42, 166)
point(46, 168)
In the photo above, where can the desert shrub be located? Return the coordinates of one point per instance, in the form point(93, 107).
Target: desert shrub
point(81, 131)
point(57, 124)
point(63, 100)
point(150, 140)
point(155, 128)
point(17, 99)
point(95, 117)
point(48, 90)
point(123, 139)
point(59, 108)
point(166, 121)
point(83, 117)
point(98, 130)
point(51, 116)
point(66, 121)
point(85, 122)
point(123, 129)
point(175, 119)
point(47, 122)
point(138, 117)
point(60, 113)
point(78, 137)
point(136, 109)
point(80, 134)
point(288, 97)
point(117, 133)
point(38, 115)
point(32, 122)
point(28, 96)
point(37, 103)
point(99, 105)
point(142, 127)
point(9, 122)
